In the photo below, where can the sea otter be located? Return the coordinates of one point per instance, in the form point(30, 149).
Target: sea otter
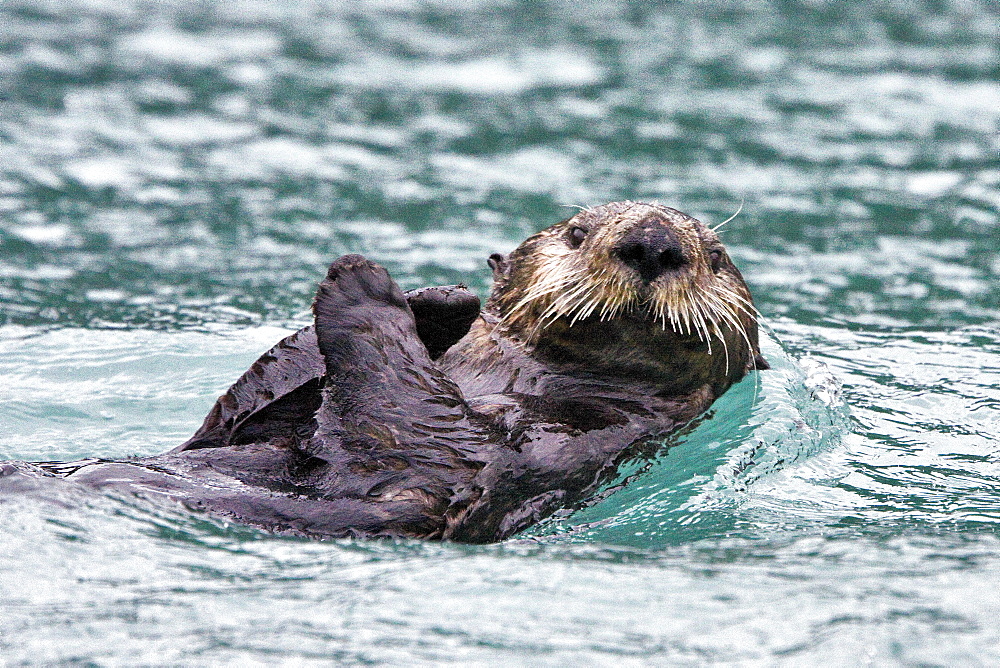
point(418, 415)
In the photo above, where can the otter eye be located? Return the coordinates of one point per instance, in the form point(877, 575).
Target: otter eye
point(715, 257)
point(576, 236)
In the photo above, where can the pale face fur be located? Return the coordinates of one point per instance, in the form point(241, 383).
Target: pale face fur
point(567, 280)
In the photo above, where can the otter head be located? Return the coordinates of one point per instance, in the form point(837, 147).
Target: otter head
point(629, 289)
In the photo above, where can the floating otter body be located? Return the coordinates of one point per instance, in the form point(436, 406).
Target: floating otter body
point(418, 415)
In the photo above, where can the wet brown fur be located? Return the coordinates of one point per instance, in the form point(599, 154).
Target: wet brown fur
point(393, 417)
point(693, 326)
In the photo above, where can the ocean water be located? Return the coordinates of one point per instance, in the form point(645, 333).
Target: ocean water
point(175, 177)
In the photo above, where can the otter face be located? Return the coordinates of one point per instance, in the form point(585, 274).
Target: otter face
point(630, 274)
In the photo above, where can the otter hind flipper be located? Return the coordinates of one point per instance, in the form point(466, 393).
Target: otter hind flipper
point(393, 427)
point(443, 315)
point(377, 367)
point(280, 392)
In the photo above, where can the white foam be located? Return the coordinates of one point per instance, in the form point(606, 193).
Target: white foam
point(932, 184)
point(200, 50)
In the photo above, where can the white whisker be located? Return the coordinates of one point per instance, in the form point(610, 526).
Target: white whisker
point(719, 226)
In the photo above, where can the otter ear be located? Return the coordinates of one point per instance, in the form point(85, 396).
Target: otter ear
point(499, 264)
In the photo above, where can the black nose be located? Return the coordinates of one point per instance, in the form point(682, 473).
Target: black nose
point(650, 250)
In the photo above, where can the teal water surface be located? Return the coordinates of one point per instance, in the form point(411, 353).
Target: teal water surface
point(175, 177)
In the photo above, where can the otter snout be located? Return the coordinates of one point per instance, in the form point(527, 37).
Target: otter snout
point(650, 250)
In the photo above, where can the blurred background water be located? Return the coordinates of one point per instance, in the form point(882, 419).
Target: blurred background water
point(175, 177)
